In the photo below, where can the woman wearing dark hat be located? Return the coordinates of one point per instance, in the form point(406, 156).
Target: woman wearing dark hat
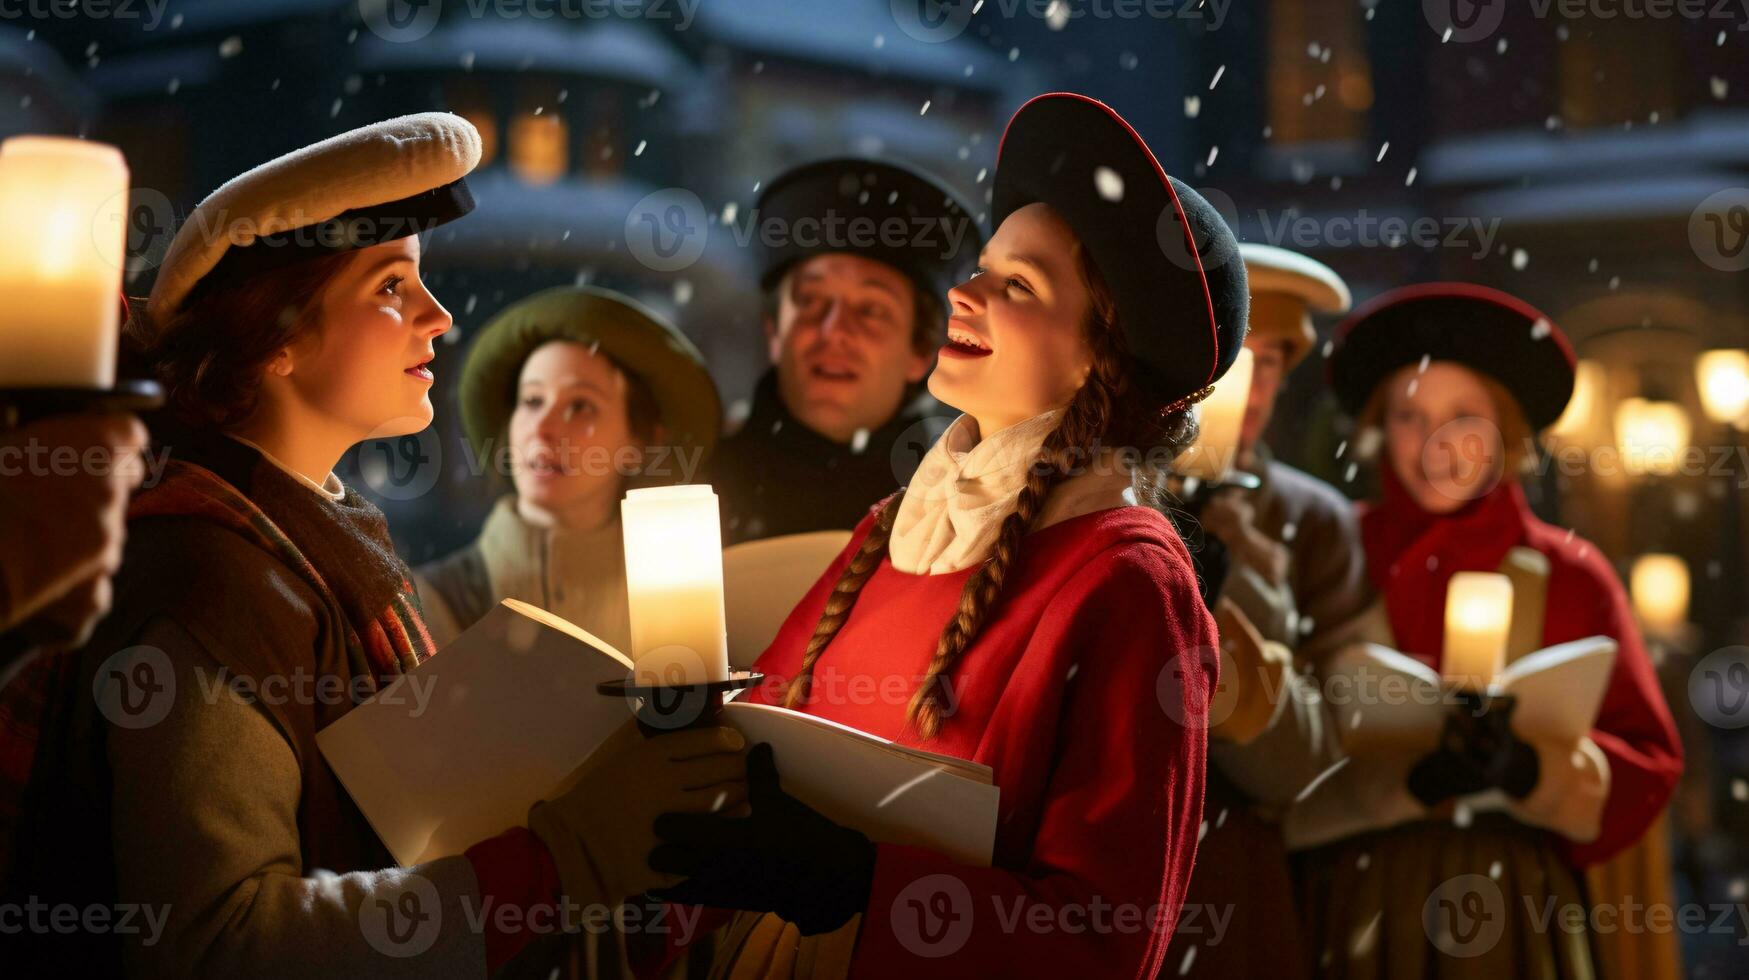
point(1040, 618)
point(578, 392)
point(259, 599)
point(1457, 378)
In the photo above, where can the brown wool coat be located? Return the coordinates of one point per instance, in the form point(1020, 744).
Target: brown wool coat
point(222, 813)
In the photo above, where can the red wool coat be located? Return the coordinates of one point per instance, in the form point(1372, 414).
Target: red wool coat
point(1412, 555)
point(1084, 694)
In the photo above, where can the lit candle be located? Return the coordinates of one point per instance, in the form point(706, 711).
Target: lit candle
point(1659, 585)
point(1220, 419)
point(63, 203)
point(674, 585)
point(1478, 613)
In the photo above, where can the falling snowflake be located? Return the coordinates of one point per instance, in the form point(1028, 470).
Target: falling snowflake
point(1108, 183)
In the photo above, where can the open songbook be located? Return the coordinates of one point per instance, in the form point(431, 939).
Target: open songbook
point(1389, 709)
point(458, 749)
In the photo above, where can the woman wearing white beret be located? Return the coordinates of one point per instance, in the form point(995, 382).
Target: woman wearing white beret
point(260, 599)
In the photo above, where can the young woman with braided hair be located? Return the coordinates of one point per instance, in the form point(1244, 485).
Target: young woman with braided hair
point(1017, 605)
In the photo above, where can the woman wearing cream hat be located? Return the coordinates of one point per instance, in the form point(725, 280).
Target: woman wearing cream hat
point(260, 599)
point(1294, 589)
point(585, 392)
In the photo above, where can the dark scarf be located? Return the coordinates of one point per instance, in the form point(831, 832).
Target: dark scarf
point(1411, 554)
point(777, 476)
point(341, 549)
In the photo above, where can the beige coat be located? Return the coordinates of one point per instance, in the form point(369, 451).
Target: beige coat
point(578, 575)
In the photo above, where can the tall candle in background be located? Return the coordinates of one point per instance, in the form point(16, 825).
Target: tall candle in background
point(1478, 612)
point(63, 205)
point(674, 584)
point(1220, 418)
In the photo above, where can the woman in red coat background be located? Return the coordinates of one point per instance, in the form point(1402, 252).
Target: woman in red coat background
point(1014, 605)
point(1457, 379)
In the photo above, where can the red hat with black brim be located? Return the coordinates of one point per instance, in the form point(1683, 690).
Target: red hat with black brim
point(1485, 329)
point(1171, 261)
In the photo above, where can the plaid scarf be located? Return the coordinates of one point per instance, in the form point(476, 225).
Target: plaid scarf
point(380, 646)
point(392, 642)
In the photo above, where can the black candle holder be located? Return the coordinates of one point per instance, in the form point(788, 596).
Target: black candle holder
point(22, 406)
point(663, 708)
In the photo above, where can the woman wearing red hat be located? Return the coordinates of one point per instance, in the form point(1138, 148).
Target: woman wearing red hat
point(1424, 879)
point(1041, 621)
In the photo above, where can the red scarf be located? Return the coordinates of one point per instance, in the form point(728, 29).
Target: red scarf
point(1411, 554)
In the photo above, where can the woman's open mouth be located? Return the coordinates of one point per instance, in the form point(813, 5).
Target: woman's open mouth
point(420, 371)
point(964, 343)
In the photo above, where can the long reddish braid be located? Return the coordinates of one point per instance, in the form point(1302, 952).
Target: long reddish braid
point(1105, 407)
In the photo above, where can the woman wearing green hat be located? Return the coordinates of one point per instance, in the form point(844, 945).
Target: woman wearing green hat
point(576, 393)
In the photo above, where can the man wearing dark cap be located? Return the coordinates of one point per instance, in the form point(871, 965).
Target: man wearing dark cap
point(855, 259)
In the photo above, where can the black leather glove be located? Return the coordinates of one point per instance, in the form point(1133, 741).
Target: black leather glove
point(1477, 752)
point(785, 858)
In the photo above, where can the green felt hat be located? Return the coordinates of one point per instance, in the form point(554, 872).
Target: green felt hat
point(639, 341)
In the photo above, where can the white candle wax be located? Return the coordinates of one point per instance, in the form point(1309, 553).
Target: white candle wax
point(674, 585)
point(1478, 613)
point(1220, 419)
point(63, 203)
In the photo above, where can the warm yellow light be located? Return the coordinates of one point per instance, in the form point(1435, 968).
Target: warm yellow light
point(1659, 584)
point(1478, 613)
point(674, 584)
point(63, 208)
point(1589, 382)
point(1723, 378)
point(1220, 419)
point(1652, 436)
point(539, 147)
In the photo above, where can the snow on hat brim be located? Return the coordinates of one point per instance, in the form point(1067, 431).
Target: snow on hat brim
point(1171, 261)
point(1484, 329)
point(371, 185)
